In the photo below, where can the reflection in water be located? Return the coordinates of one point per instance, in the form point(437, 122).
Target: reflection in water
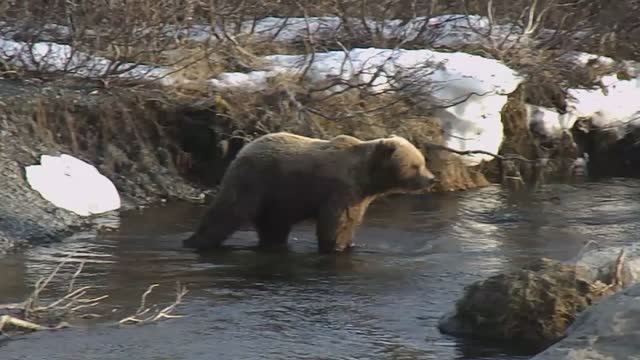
point(382, 301)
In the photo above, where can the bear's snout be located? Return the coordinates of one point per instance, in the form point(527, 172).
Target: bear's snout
point(427, 180)
point(420, 182)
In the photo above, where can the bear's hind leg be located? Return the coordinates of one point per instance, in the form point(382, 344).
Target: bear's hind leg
point(221, 220)
point(215, 228)
point(273, 232)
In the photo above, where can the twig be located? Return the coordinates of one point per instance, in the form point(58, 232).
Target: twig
point(164, 313)
point(31, 310)
point(143, 300)
point(473, 152)
point(23, 324)
point(617, 274)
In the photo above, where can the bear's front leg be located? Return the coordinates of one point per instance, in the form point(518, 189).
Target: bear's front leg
point(335, 228)
point(350, 220)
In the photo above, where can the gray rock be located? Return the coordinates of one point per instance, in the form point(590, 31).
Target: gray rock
point(609, 330)
point(599, 263)
point(25, 216)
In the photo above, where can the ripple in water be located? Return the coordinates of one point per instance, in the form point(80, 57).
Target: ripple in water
point(414, 257)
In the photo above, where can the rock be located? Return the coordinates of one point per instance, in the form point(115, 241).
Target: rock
point(533, 305)
point(24, 215)
point(609, 330)
point(599, 264)
point(521, 305)
point(614, 150)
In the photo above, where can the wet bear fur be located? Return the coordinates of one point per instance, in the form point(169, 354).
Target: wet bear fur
point(281, 179)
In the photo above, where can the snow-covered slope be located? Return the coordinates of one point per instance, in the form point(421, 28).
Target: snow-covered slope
point(465, 92)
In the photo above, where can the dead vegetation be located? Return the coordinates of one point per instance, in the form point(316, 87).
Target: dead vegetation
point(205, 38)
point(199, 40)
point(36, 313)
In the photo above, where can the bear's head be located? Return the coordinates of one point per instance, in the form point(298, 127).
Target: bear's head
point(398, 166)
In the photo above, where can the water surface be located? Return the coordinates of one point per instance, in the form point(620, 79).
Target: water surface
point(415, 254)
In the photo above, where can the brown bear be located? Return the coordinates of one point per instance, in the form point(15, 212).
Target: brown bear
point(281, 179)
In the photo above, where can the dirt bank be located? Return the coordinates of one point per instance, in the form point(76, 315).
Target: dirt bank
point(153, 149)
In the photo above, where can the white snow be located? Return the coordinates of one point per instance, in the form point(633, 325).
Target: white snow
point(583, 59)
point(465, 92)
point(547, 122)
point(52, 57)
point(618, 105)
point(615, 108)
point(73, 184)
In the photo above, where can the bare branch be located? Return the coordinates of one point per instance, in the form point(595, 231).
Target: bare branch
point(164, 313)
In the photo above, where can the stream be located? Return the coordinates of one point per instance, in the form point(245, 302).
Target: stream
point(414, 256)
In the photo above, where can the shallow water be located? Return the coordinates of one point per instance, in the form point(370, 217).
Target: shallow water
point(415, 254)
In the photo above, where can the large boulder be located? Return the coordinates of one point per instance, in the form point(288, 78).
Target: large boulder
point(535, 305)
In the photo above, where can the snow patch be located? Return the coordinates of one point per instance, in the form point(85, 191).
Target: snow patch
point(614, 105)
point(73, 184)
point(52, 57)
point(465, 92)
point(547, 122)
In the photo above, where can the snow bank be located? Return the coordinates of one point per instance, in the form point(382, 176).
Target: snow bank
point(613, 107)
point(52, 57)
point(480, 85)
point(73, 185)
point(466, 92)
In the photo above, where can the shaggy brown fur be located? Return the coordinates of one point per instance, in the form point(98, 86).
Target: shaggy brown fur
point(281, 179)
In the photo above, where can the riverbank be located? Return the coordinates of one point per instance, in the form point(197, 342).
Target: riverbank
point(133, 141)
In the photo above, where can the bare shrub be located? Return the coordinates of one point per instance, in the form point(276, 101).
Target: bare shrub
point(33, 314)
point(34, 311)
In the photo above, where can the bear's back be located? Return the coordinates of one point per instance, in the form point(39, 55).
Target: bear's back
point(278, 155)
point(284, 145)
